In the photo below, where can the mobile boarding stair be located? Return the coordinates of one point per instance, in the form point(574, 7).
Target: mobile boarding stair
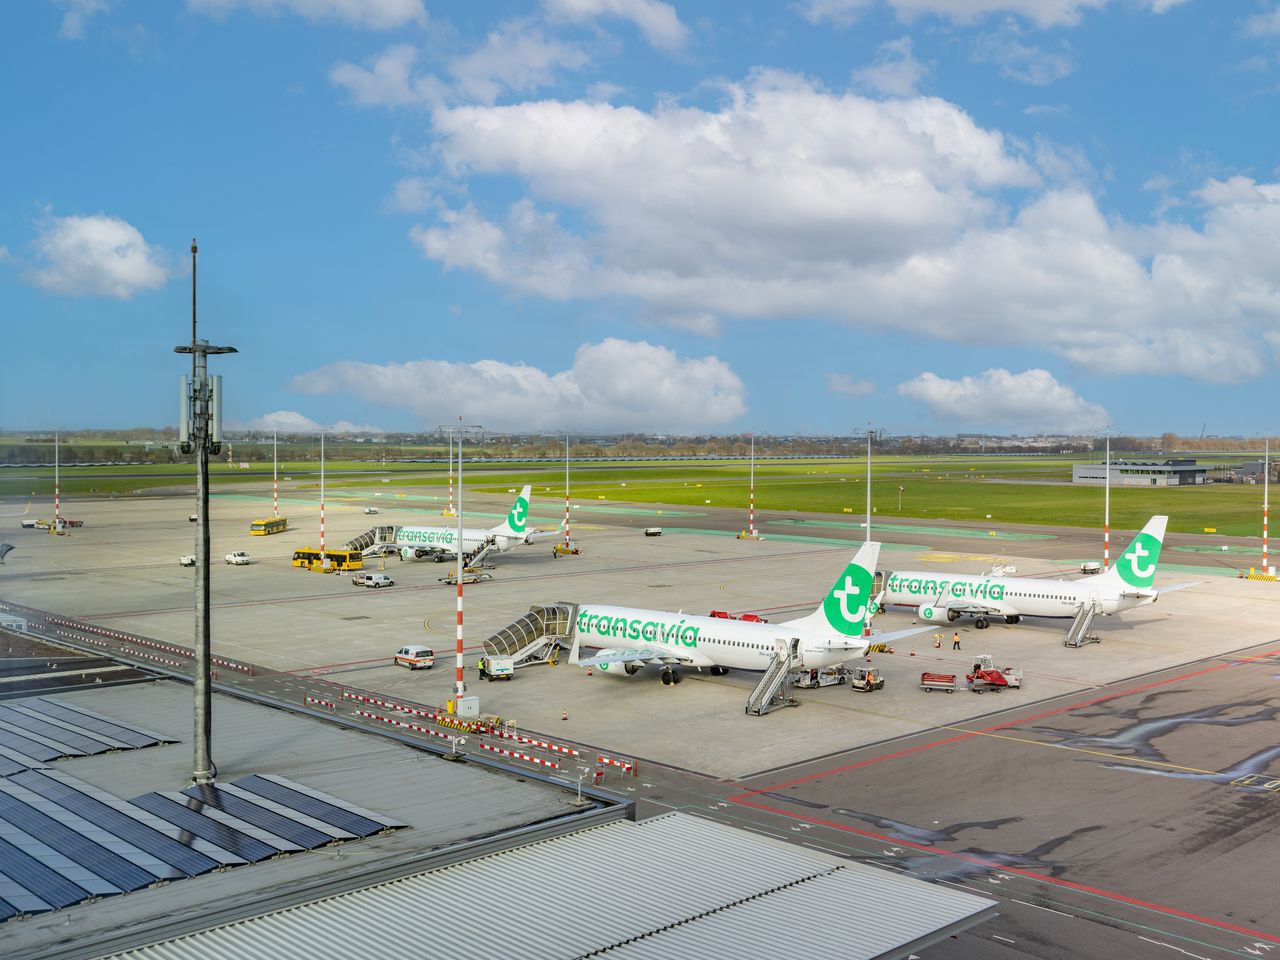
point(374, 542)
point(537, 636)
point(1081, 630)
point(768, 695)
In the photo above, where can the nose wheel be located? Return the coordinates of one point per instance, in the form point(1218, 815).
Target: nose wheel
point(669, 676)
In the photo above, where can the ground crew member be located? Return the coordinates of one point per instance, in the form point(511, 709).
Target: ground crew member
point(955, 640)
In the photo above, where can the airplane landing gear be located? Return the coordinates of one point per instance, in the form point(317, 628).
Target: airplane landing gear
point(981, 623)
point(669, 676)
point(1013, 619)
point(718, 671)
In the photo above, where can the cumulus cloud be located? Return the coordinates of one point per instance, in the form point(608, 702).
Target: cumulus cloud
point(847, 386)
point(899, 214)
point(1263, 24)
point(290, 421)
point(658, 21)
point(1029, 402)
point(388, 80)
point(94, 256)
point(365, 14)
point(77, 15)
point(411, 195)
point(612, 385)
point(1043, 13)
point(896, 72)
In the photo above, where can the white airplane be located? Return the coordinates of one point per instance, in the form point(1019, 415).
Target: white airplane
point(944, 598)
point(832, 634)
point(441, 543)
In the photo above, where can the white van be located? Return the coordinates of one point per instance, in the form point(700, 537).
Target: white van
point(237, 558)
point(374, 580)
point(414, 656)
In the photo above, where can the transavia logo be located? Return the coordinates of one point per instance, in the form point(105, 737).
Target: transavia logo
point(846, 604)
point(926, 613)
point(1137, 565)
point(518, 514)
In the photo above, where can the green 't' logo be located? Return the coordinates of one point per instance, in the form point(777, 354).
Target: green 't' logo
point(846, 605)
point(515, 520)
point(1137, 565)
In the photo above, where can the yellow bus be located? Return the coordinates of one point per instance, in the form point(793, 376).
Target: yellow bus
point(263, 528)
point(340, 561)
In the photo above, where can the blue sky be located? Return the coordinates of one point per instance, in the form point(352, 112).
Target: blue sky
point(934, 215)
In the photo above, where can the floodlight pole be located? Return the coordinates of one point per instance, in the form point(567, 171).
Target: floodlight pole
point(200, 429)
point(57, 491)
point(275, 477)
point(567, 543)
point(868, 481)
point(1106, 512)
point(460, 683)
point(751, 493)
point(1266, 490)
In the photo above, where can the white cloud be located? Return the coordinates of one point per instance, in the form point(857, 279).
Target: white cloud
point(516, 57)
point(5, 255)
point(411, 195)
point(1031, 401)
point(290, 421)
point(658, 21)
point(612, 385)
point(365, 14)
point(95, 256)
point(896, 72)
point(847, 386)
point(77, 14)
point(1263, 24)
point(1043, 13)
point(388, 81)
point(902, 215)
point(1020, 61)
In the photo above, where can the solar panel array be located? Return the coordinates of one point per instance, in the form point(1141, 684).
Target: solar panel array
point(63, 841)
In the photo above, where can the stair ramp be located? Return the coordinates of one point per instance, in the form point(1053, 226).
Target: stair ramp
point(537, 636)
point(768, 695)
point(372, 542)
point(1081, 630)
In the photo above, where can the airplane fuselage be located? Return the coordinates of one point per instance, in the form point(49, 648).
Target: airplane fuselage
point(1009, 596)
point(433, 540)
point(710, 641)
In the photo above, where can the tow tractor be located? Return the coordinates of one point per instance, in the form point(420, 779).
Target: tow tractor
point(865, 679)
point(826, 677)
point(986, 677)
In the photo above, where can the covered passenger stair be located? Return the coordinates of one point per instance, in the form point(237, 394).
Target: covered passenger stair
point(374, 543)
point(1081, 630)
point(768, 695)
point(537, 637)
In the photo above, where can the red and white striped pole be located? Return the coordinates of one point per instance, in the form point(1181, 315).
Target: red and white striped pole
point(1266, 506)
point(751, 498)
point(460, 684)
point(451, 469)
point(323, 558)
point(275, 480)
point(1106, 515)
point(57, 487)
point(566, 491)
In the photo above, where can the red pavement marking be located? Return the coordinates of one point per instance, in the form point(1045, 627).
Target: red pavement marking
point(742, 799)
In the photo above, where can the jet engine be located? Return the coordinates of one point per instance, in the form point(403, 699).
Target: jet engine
point(932, 614)
point(630, 668)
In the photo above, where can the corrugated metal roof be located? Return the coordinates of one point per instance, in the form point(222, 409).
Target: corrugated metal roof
point(673, 886)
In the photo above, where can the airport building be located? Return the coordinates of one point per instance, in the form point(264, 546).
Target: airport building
point(1141, 473)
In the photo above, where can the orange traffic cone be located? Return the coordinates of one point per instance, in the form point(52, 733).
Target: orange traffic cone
point(588, 671)
point(564, 714)
point(913, 651)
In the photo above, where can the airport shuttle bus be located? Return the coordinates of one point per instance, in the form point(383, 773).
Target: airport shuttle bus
point(339, 561)
point(263, 528)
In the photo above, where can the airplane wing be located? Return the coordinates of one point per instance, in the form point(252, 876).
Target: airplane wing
point(877, 637)
point(539, 536)
point(975, 608)
point(1178, 586)
point(641, 654)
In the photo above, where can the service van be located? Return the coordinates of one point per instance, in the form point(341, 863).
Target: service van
point(414, 656)
point(236, 558)
point(375, 580)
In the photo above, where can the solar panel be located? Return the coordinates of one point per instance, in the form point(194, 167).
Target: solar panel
point(182, 858)
point(38, 752)
point(8, 766)
point(259, 816)
point(347, 820)
point(95, 723)
point(74, 845)
point(37, 879)
point(6, 910)
point(51, 858)
point(216, 832)
point(23, 708)
point(51, 731)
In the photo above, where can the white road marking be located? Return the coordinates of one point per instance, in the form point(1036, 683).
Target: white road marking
point(1049, 909)
point(1185, 953)
point(1002, 939)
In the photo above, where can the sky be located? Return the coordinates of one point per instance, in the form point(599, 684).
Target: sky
point(935, 216)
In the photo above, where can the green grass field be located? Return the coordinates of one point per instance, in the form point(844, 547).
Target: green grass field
point(1030, 490)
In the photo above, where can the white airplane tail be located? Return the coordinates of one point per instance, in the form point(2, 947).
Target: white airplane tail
point(1135, 569)
point(518, 518)
point(847, 605)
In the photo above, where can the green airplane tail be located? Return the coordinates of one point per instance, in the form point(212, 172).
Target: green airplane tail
point(1136, 566)
point(518, 518)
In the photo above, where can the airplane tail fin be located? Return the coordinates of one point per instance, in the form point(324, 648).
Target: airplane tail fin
point(847, 605)
point(1136, 568)
point(518, 518)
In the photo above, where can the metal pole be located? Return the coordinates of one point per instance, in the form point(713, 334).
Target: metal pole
point(275, 478)
point(1266, 490)
point(566, 490)
point(751, 497)
point(460, 684)
point(199, 414)
point(868, 481)
point(324, 560)
point(57, 489)
point(1106, 513)
point(451, 473)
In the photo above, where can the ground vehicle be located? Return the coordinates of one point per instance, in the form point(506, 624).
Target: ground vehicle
point(187, 560)
point(30, 524)
point(930, 682)
point(237, 558)
point(370, 509)
point(414, 656)
point(496, 668)
point(331, 561)
point(374, 580)
point(985, 676)
point(745, 618)
point(865, 679)
point(825, 677)
point(1090, 567)
point(262, 528)
point(193, 518)
point(653, 531)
